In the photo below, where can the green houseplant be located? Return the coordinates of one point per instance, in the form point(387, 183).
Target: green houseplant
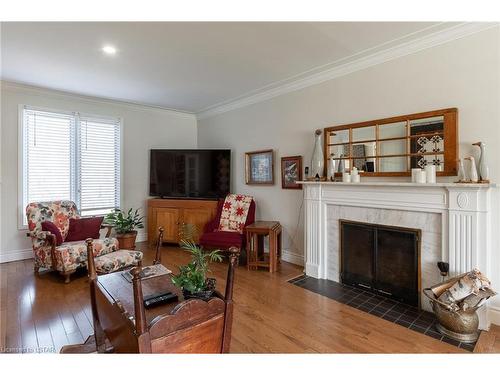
point(192, 277)
point(125, 224)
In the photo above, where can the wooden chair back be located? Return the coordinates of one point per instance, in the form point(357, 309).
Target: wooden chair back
point(193, 326)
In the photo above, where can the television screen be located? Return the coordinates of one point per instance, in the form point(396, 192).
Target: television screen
point(189, 173)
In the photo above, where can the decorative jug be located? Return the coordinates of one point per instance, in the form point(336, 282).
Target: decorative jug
point(317, 161)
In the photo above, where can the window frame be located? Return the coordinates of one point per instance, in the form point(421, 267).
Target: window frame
point(22, 172)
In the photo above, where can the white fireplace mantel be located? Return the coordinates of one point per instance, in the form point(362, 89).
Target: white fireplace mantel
point(466, 213)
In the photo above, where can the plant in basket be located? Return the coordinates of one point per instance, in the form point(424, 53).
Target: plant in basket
point(192, 277)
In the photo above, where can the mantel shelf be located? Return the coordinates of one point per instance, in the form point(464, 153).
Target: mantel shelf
point(401, 184)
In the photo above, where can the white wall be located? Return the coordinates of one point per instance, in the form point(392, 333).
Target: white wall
point(463, 73)
point(143, 128)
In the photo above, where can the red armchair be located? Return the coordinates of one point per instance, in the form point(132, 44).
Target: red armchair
point(213, 238)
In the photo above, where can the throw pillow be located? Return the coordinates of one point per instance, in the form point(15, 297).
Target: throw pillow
point(83, 228)
point(49, 226)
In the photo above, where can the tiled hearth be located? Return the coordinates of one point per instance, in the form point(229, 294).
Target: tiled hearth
point(385, 308)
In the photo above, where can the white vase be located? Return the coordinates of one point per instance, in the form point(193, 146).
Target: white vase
point(483, 168)
point(462, 176)
point(317, 161)
point(332, 167)
point(341, 165)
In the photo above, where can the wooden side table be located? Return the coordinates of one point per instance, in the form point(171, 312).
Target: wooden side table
point(255, 245)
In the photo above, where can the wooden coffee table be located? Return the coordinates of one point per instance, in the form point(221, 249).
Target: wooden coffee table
point(255, 245)
point(113, 305)
point(183, 326)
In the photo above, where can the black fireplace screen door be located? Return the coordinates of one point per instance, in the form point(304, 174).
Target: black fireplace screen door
point(381, 258)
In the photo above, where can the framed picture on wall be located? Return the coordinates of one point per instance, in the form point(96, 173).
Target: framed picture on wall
point(259, 168)
point(291, 172)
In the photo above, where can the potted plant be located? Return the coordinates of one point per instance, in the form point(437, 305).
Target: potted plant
point(192, 277)
point(125, 224)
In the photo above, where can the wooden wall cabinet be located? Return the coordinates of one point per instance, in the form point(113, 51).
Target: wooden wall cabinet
point(172, 213)
point(393, 146)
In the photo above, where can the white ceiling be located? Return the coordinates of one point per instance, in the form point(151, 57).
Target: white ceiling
point(186, 66)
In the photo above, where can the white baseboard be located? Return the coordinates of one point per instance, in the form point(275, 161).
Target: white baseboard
point(294, 258)
point(12, 256)
point(494, 315)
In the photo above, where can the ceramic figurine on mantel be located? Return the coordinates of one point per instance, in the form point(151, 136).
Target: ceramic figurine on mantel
point(341, 164)
point(482, 168)
point(462, 176)
point(473, 169)
point(317, 161)
point(332, 168)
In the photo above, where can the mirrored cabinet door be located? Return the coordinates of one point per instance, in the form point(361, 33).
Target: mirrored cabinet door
point(394, 130)
point(393, 146)
point(393, 164)
point(427, 142)
point(364, 134)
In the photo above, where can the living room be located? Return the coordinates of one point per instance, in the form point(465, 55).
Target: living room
point(332, 183)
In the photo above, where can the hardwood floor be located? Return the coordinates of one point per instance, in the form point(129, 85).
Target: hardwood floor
point(489, 341)
point(271, 316)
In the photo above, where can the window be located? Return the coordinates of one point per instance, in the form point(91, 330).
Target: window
point(71, 156)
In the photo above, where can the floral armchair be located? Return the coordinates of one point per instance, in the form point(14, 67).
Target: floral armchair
point(69, 256)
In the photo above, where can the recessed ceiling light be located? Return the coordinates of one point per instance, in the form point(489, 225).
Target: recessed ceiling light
point(109, 50)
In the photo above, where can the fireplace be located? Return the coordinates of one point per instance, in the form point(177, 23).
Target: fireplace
point(456, 221)
point(384, 259)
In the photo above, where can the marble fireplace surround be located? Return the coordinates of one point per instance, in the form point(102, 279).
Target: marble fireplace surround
point(430, 243)
point(455, 220)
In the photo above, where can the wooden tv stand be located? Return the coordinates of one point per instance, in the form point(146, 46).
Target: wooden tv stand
point(172, 213)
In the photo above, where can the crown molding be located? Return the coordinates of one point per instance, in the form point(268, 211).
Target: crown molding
point(343, 68)
point(47, 92)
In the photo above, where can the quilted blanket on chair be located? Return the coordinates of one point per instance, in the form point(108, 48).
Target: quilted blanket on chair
point(234, 213)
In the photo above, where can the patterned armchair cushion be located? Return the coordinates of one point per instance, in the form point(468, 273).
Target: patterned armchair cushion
point(117, 260)
point(72, 255)
point(57, 212)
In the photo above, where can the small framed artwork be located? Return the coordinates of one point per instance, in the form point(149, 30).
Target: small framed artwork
point(291, 172)
point(259, 168)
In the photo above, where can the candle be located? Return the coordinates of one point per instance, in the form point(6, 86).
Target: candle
point(420, 177)
point(414, 172)
point(430, 174)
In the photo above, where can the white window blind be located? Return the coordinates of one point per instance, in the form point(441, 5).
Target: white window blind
point(99, 177)
point(70, 156)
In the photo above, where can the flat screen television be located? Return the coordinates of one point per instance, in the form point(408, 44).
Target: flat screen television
point(194, 174)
